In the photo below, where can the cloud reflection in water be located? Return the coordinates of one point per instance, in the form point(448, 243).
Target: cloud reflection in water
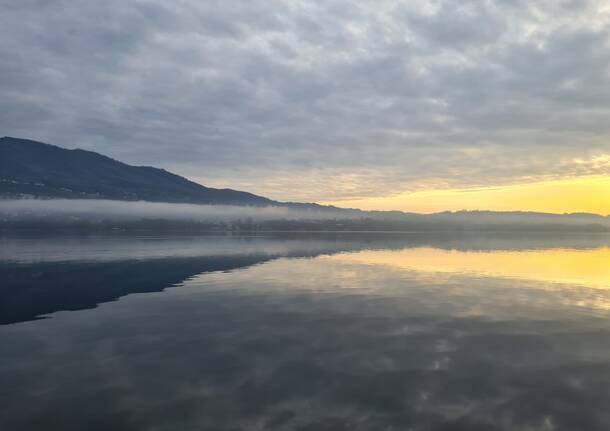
point(326, 343)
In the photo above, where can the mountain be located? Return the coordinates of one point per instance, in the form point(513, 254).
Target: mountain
point(33, 169)
point(30, 168)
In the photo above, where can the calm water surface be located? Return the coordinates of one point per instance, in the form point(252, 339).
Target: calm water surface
point(305, 332)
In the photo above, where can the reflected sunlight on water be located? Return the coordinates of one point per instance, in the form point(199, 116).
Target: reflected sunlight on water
point(589, 268)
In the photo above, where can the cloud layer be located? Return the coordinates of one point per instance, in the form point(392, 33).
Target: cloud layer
point(316, 100)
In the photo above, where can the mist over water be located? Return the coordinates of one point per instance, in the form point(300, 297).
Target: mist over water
point(110, 214)
point(95, 209)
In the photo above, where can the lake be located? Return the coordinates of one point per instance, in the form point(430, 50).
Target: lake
point(305, 332)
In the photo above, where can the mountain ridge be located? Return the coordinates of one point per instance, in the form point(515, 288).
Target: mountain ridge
point(33, 169)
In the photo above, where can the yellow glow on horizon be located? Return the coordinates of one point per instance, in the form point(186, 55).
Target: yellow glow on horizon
point(588, 194)
point(581, 267)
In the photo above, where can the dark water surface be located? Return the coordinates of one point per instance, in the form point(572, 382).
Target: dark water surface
point(305, 332)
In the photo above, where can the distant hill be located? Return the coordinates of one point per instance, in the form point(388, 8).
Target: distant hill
point(34, 169)
point(30, 169)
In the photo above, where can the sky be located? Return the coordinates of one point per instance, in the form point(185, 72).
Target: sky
point(411, 105)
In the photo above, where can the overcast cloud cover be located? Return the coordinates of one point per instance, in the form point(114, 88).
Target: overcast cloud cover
point(307, 100)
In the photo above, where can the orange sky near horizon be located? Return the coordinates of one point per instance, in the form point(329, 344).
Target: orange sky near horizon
point(584, 194)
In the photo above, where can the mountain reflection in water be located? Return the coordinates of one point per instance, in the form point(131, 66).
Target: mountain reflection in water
point(305, 332)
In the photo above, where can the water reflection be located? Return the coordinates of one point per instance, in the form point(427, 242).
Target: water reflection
point(328, 333)
point(45, 275)
point(586, 267)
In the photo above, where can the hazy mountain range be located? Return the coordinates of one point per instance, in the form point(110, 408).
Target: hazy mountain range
point(38, 178)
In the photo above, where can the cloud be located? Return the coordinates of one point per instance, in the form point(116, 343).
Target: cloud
point(316, 101)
